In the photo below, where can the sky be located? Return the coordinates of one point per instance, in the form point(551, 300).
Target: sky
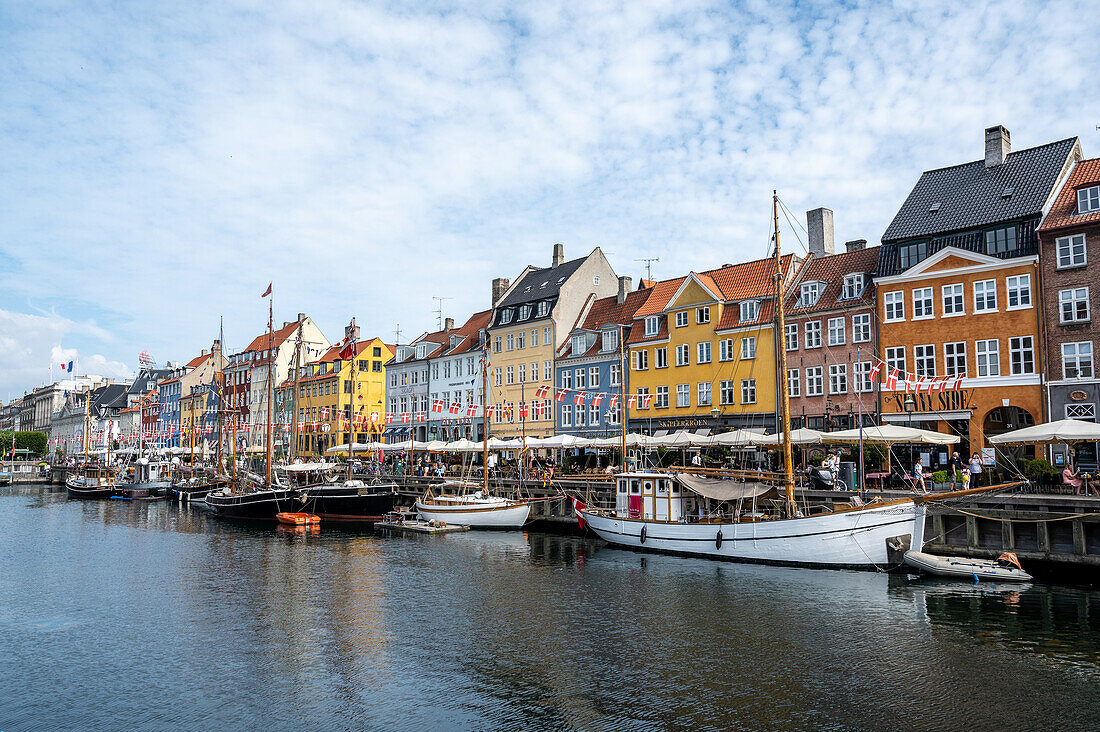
point(162, 162)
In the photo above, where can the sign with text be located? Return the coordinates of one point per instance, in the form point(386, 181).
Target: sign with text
point(943, 401)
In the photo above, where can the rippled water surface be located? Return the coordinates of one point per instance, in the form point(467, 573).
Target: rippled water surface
point(118, 615)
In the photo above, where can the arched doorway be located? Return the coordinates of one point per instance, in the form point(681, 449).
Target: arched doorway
point(1006, 419)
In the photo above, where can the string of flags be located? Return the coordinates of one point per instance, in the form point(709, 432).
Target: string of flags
point(913, 383)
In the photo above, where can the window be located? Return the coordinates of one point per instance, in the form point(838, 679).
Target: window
point(725, 349)
point(593, 415)
point(853, 286)
point(748, 347)
point(524, 312)
point(510, 375)
point(643, 392)
point(681, 319)
point(702, 315)
point(838, 378)
point(704, 393)
point(808, 294)
point(510, 342)
point(682, 358)
point(1000, 241)
point(566, 412)
point(912, 252)
point(790, 336)
point(750, 310)
point(725, 392)
point(1019, 291)
point(594, 377)
point(523, 373)
point(1077, 360)
point(862, 377)
point(953, 300)
point(616, 374)
point(836, 332)
point(702, 352)
point(610, 340)
point(895, 357)
point(989, 357)
point(535, 371)
point(748, 391)
point(894, 306)
point(924, 358)
point(1071, 250)
point(1088, 199)
point(547, 370)
point(683, 396)
point(579, 379)
point(496, 344)
point(521, 339)
point(861, 328)
point(794, 383)
point(1086, 412)
point(922, 303)
point(660, 397)
point(595, 279)
point(546, 339)
point(813, 334)
point(652, 326)
point(640, 360)
point(578, 345)
point(954, 358)
point(1074, 305)
point(534, 337)
point(985, 296)
point(660, 358)
point(1021, 354)
point(815, 385)
point(566, 379)
point(506, 316)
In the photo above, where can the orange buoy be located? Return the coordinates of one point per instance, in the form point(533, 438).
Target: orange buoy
point(298, 519)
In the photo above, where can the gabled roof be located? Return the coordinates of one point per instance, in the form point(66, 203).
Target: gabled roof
point(831, 270)
point(1063, 212)
point(259, 343)
point(198, 361)
point(733, 282)
point(971, 195)
point(541, 284)
point(607, 311)
point(467, 333)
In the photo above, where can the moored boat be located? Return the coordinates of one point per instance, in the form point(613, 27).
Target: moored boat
point(477, 510)
point(93, 482)
point(1004, 569)
point(297, 518)
point(350, 501)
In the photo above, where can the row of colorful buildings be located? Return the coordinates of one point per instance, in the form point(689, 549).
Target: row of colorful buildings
point(972, 316)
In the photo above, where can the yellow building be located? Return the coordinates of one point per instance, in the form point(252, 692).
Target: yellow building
point(702, 351)
point(333, 408)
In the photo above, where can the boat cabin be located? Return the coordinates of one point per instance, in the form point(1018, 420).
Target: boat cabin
point(652, 496)
point(99, 477)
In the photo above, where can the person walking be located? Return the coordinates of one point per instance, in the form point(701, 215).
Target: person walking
point(955, 465)
point(918, 477)
point(975, 469)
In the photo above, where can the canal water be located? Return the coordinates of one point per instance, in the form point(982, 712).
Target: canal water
point(137, 615)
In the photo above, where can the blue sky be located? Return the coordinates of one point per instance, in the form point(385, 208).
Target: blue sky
point(163, 161)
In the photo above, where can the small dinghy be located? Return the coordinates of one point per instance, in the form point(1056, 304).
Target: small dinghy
point(1005, 568)
point(297, 518)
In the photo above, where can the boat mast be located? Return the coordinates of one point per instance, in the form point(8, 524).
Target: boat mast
point(622, 391)
point(485, 417)
point(294, 399)
point(84, 435)
point(351, 399)
point(270, 360)
point(192, 422)
point(219, 379)
point(781, 377)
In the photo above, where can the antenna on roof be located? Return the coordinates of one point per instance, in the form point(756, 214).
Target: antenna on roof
point(439, 310)
point(397, 335)
point(649, 266)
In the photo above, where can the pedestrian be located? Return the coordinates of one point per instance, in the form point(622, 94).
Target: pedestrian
point(696, 460)
point(955, 465)
point(975, 469)
point(918, 477)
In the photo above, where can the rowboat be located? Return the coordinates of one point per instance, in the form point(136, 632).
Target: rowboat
point(294, 518)
point(964, 567)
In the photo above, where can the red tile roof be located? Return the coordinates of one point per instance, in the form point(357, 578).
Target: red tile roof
point(733, 282)
point(831, 270)
point(1064, 211)
point(468, 332)
point(198, 360)
point(608, 311)
point(259, 343)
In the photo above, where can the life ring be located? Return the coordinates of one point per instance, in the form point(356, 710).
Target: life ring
point(641, 536)
point(718, 540)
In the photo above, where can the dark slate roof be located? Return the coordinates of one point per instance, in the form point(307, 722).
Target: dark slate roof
point(147, 379)
point(112, 396)
point(972, 195)
point(538, 285)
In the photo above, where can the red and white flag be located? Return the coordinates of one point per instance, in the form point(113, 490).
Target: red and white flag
point(892, 380)
point(580, 397)
point(267, 291)
point(631, 401)
point(374, 417)
point(389, 418)
point(957, 385)
point(324, 412)
point(419, 416)
point(613, 401)
point(596, 399)
point(404, 418)
point(941, 384)
point(540, 409)
point(471, 410)
point(645, 400)
point(523, 410)
point(541, 392)
point(455, 408)
point(562, 395)
point(437, 406)
point(875, 368)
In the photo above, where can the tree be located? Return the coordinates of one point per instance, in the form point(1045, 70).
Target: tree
point(36, 442)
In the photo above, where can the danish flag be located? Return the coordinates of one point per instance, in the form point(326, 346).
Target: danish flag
point(324, 412)
point(455, 408)
point(645, 400)
point(540, 410)
point(892, 380)
point(631, 401)
point(541, 392)
point(596, 399)
point(419, 416)
point(958, 384)
point(471, 410)
point(941, 384)
point(374, 417)
point(404, 418)
point(613, 401)
point(562, 395)
point(579, 399)
point(437, 406)
point(875, 368)
point(389, 418)
point(523, 410)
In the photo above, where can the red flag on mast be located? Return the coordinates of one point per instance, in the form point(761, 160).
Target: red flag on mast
point(267, 291)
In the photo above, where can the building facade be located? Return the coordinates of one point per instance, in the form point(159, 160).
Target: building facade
point(1069, 241)
point(957, 293)
point(407, 388)
point(455, 381)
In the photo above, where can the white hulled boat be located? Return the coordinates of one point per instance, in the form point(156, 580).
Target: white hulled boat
point(477, 510)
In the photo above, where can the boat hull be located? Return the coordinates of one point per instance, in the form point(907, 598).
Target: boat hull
point(260, 505)
point(964, 568)
point(77, 490)
point(844, 540)
point(186, 493)
point(511, 515)
point(348, 506)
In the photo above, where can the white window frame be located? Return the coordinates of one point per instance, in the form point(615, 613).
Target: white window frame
point(838, 378)
point(837, 334)
point(924, 359)
point(794, 383)
point(652, 325)
point(683, 355)
point(861, 376)
point(750, 310)
point(896, 358)
point(790, 336)
point(924, 304)
point(726, 388)
point(1088, 199)
point(748, 347)
point(702, 315)
point(985, 296)
point(682, 319)
point(702, 352)
point(1019, 288)
point(808, 294)
point(815, 381)
point(813, 334)
point(953, 353)
point(953, 300)
point(1074, 297)
point(861, 328)
point(1078, 353)
point(593, 377)
point(660, 397)
point(1071, 251)
point(683, 396)
point(893, 306)
point(725, 349)
point(988, 356)
point(704, 389)
point(1021, 352)
point(660, 357)
point(854, 285)
point(748, 391)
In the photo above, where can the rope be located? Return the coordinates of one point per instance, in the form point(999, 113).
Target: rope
point(1022, 521)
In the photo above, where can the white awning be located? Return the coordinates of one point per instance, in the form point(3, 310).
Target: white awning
point(1063, 430)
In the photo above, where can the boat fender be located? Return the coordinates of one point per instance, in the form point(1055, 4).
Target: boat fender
point(641, 536)
point(718, 540)
point(975, 576)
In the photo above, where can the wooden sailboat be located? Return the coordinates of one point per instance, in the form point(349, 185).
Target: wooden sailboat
point(195, 487)
point(93, 480)
point(661, 511)
point(480, 509)
point(252, 497)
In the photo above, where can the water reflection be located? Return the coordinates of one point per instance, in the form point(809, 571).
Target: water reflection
point(261, 626)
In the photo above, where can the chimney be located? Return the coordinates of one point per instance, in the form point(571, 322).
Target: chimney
point(448, 324)
point(624, 288)
point(301, 317)
point(203, 352)
point(819, 223)
point(997, 145)
point(559, 255)
point(500, 286)
point(855, 245)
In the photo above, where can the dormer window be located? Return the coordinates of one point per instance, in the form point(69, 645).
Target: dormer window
point(524, 312)
point(455, 340)
point(595, 279)
point(610, 340)
point(578, 345)
point(1088, 200)
point(482, 338)
point(544, 308)
point(421, 350)
point(912, 252)
point(853, 286)
point(506, 315)
point(561, 280)
point(1000, 241)
point(652, 325)
point(750, 310)
point(808, 294)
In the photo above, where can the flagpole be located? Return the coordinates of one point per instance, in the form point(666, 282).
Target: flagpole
point(270, 360)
